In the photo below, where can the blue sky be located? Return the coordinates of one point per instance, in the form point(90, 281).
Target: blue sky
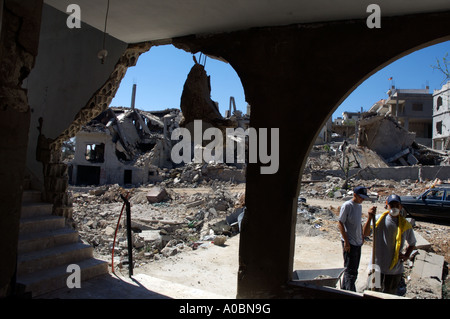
point(160, 75)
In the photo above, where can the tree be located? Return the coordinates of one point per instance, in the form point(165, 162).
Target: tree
point(443, 67)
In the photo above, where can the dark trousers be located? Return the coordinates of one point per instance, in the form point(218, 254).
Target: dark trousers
point(351, 264)
point(390, 283)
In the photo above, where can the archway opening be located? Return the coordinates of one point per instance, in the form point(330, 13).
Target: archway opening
point(185, 216)
point(407, 94)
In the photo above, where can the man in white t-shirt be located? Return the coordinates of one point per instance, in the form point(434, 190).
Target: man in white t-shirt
point(352, 238)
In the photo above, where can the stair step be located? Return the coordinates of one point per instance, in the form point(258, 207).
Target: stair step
point(30, 210)
point(47, 239)
point(41, 223)
point(52, 257)
point(56, 278)
point(30, 196)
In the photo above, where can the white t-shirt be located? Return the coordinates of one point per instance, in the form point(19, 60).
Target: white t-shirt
point(350, 216)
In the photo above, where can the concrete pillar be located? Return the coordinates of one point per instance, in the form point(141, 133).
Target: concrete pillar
point(294, 77)
point(18, 49)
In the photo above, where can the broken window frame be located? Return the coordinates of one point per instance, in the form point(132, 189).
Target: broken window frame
point(439, 127)
point(439, 103)
point(95, 152)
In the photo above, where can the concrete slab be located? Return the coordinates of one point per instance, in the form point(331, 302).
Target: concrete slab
point(156, 194)
point(427, 271)
point(428, 265)
point(422, 243)
point(381, 295)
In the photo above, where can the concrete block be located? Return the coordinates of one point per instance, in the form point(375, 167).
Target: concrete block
point(428, 265)
point(156, 194)
point(422, 243)
point(150, 236)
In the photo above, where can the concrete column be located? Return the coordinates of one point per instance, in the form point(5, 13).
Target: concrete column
point(294, 77)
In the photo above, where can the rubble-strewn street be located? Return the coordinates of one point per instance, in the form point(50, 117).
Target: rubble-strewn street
point(181, 216)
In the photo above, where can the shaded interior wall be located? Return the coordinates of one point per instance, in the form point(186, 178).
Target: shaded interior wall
point(66, 76)
point(18, 49)
point(283, 71)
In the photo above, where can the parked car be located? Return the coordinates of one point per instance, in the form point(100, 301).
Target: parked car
point(433, 203)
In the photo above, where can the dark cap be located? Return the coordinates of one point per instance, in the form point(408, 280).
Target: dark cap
point(393, 198)
point(361, 191)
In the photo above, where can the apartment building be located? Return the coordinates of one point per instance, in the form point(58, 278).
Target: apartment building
point(441, 118)
point(412, 108)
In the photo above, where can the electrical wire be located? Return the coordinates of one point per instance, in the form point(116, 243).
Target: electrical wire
point(106, 23)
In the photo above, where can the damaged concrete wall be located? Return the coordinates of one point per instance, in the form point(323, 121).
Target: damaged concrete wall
point(441, 118)
point(20, 25)
point(383, 135)
point(67, 74)
point(419, 173)
point(123, 146)
point(196, 102)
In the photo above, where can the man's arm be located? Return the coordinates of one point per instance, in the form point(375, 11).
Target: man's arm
point(370, 217)
point(344, 236)
point(411, 239)
point(405, 256)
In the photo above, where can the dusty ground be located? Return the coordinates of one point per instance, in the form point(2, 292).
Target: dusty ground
point(211, 267)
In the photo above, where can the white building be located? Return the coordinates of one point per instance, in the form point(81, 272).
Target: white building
point(441, 118)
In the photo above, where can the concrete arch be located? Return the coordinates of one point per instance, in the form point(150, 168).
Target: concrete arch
point(294, 77)
point(284, 70)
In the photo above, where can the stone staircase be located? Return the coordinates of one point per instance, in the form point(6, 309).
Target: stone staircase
point(47, 247)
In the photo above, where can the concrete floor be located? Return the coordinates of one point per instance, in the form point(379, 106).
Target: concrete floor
point(140, 286)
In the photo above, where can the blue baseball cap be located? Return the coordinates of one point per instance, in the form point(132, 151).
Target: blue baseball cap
point(361, 191)
point(393, 198)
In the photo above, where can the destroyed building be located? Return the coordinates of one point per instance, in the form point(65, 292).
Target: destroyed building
point(413, 109)
point(123, 146)
point(383, 135)
point(130, 146)
point(441, 118)
point(397, 146)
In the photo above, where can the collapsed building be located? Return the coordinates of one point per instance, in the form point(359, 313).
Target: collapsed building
point(123, 146)
point(396, 145)
point(441, 118)
point(130, 146)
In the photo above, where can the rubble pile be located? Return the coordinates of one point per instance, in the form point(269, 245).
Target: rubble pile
point(161, 228)
point(316, 220)
point(201, 174)
point(187, 208)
